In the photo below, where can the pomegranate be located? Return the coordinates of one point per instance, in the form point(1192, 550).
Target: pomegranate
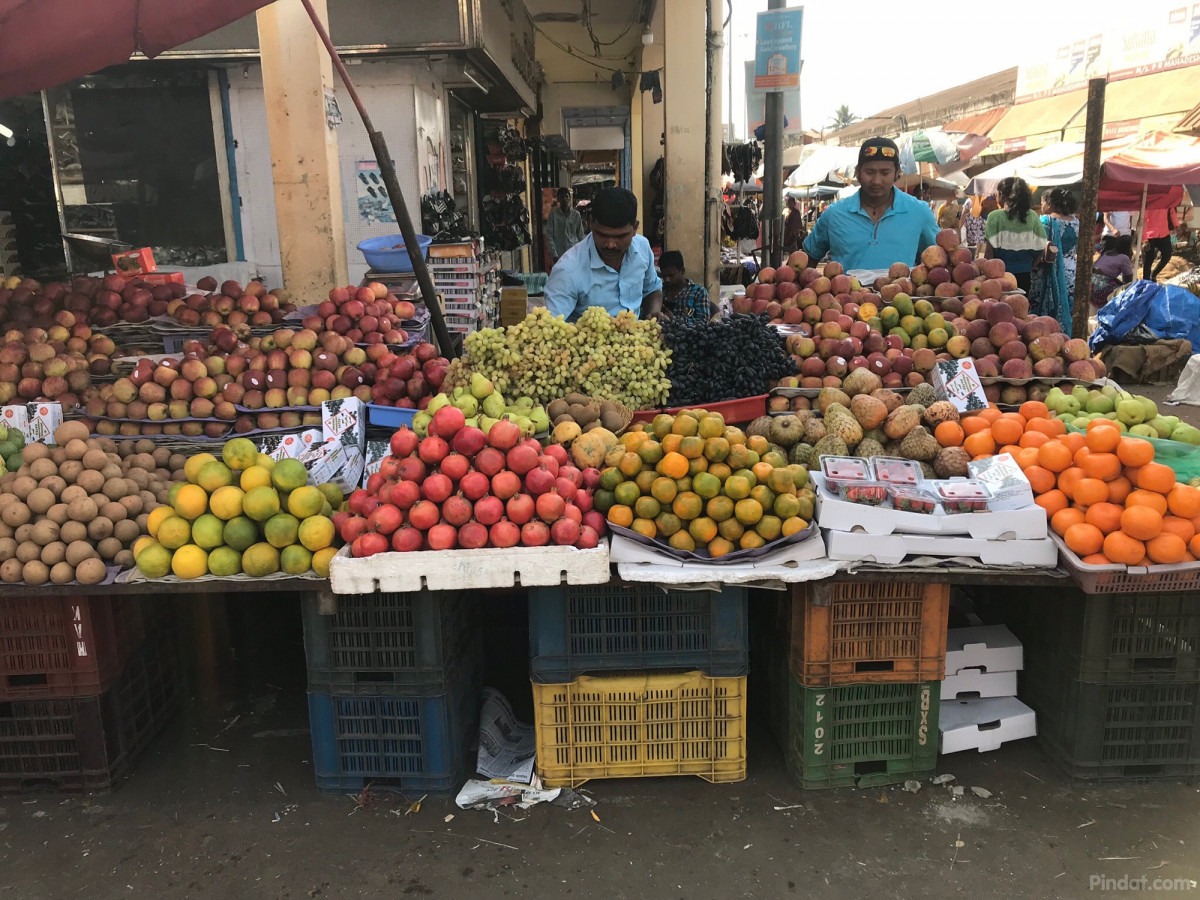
point(368, 544)
point(565, 532)
point(356, 501)
point(437, 487)
point(489, 461)
point(433, 449)
point(591, 478)
point(473, 535)
point(376, 482)
point(583, 500)
point(549, 507)
point(468, 441)
point(404, 442)
point(521, 459)
point(519, 509)
point(385, 519)
point(455, 466)
point(351, 528)
point(489, 510)
point(595, 520)
point(447, 422)
point(412, 469)
point(404, 494)
point(504, 534)
point(550, 463)
point(407, 539)
point(558, 452)
point(535, 534)
point(504, 435)
point(587, 538)
point(442, 537)
point(565, 488)
point(474, 485)
point(569, 471)
point(424, 515)
point(539, 481)
point(457, 511)
point(505, 484)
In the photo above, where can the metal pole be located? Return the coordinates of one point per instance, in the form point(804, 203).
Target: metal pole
point(1093, 136)
point(772, 208)
point(390, 182)
point(1140, 231)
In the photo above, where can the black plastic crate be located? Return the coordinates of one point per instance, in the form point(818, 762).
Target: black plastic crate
point(414, 740)
point(376, 642)
point(89, 744)
point(579, 629)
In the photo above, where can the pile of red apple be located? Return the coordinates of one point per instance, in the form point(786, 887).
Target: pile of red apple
point(460, 488)
point(252, 306)
point(366, 315)
point(54, 365)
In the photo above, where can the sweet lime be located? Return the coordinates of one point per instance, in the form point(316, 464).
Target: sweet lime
point(240, 533)
point(224, 561)
point(190, 502)
point(191, 468)
point(260, 503)
point(289, 474)
point(280, 530)
point(260, 560)
point(174, 532)
point(295, 560)
point(215, 475)
point(316, 533)
point(305, 501)
point(255, 476)
point(226, 502)
point(154, 561)
point(189, 561)
point(239, 454)
point(206, 532)
point(321, 559)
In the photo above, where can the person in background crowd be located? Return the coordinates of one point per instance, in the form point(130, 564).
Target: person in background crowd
point(1118, 222)
point(973, 221)
point(794, 231)
point(950, 215)
point(564, 227)
point(613, 267)
point(682, 297)
point(1052, 285)
point(1113, 268)
point(878, 225)
point(1157, 235)
point(1014, 233)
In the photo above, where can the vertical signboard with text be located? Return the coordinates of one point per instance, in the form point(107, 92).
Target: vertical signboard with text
point(777, 50)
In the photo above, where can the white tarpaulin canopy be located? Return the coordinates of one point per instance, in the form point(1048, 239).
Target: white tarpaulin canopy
point(1050, 166)
point(819, 163)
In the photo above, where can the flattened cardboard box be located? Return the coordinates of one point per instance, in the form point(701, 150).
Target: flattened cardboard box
point(957, 380)
point(346, 422)
point(44, 419)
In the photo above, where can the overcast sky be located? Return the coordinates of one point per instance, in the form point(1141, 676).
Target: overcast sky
point(873, 54)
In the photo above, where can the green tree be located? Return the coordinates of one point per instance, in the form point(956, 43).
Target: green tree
point(842, 117)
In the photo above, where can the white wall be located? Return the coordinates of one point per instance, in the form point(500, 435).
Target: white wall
point(406, 102)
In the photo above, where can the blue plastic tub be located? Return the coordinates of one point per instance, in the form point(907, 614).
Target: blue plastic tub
point(387, 252)
point(390, 416)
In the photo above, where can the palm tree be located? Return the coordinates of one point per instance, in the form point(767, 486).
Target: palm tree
point(842, 117)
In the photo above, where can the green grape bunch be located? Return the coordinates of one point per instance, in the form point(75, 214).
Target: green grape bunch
point(544, 357)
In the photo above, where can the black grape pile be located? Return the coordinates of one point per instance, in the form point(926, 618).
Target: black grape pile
point(724, 360)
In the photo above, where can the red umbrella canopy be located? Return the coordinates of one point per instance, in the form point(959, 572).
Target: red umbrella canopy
point(48, 42)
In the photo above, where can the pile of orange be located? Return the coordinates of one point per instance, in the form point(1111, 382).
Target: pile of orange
point(1104, 493)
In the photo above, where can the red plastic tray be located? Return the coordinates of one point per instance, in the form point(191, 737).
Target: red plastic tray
point(735, 412)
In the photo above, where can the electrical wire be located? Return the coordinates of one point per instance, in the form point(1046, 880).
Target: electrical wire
point(587, 22)
point(584, 58)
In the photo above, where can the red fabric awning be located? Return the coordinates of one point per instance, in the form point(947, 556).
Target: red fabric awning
point(47, 42)
point(1157, 158)
point(980, 123)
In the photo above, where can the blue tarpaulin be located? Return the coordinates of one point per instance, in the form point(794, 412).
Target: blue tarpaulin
point(1166, 310)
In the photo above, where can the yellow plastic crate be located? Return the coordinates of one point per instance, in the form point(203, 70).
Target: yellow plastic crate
point(642, 725)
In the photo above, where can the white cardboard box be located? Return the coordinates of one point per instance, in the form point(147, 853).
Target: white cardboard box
point(984, 724)
point(957, 380)
point(842, 515)
point(457, 570)
point(805, 561)
point(1002, 476)
point(986, 648)
point(345, 421)
point(892, 548)
point(376, 451)
point(334, 463)
point(970, 683)
point(44, 418)
point(16, 416)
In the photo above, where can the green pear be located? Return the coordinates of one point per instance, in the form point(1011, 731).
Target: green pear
point(1144, 430)
point(459, 391)
point(1080, 393)
point(1099, 403)
point(1130, 412)
point(1188, 434)
point(526, 425)
point(541, 421)
point(524, 403)
point(420, 424)
point(472, 422)
point(468, 404)
point(493, 406)
point(481, 387)
point(1111, 391)
point(486, 423)
point(436, 403)
point(1149, 408)
point(1070, 405)
point(1161, 426)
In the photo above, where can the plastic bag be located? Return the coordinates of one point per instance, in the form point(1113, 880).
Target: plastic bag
point(1183, 458)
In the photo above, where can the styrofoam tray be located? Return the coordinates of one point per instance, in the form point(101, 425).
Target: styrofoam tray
point(989, 648)
point(790, 564)
point(457, 570)
point(972, 683)
point(892, 548)
point(984, 724)
point(841, 515)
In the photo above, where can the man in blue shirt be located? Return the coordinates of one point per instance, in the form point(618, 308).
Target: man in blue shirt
point(613, 267)
point(880, 224)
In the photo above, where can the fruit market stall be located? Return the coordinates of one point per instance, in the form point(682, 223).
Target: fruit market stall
point(826, 462)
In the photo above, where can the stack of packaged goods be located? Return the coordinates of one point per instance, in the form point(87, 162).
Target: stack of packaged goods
point(665, 689)
point(386, 666)
point(850, 672)
point(85, 684)
point(980, 709)
point(464, 280)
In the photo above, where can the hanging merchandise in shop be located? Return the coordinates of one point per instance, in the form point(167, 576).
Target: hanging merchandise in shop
point(505, 216)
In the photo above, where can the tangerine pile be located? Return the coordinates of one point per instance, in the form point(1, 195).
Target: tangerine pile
point(693, 482)
point(1103, 492)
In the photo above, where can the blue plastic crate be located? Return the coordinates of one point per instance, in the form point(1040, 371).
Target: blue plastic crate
point(389, 640)
point(389, 416)
point(574, 630)
point(397, 740)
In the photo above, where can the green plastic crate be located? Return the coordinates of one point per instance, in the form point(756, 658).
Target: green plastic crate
point(861, 735)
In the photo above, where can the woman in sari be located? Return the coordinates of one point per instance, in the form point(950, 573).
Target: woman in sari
point(1052, 287)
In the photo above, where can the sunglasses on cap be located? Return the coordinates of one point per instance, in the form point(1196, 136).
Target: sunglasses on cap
point(885, 152)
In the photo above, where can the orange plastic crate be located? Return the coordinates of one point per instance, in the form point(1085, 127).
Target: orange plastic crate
point(867, 633)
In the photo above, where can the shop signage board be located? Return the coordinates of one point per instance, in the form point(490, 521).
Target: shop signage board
point(777, 50)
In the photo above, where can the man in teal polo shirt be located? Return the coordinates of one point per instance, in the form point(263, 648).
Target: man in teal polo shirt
point(880, 224)
point(613, 267)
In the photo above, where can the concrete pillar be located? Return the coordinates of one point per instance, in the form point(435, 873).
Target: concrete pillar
point(689, 142)
point(297, 73)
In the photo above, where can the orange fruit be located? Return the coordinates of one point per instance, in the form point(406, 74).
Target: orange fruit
point(1040, 479)
point(1121, 548)
point(1184, 500)
point(1084, 539)
point(1033, 439)
point(1097, 559)
point(1049, 427)
point(991, 414)
point(1166, 549)
point(1081, 454)
point(1007, 431)
point(674, 465)
point(1156, 477)
point(1089, 491)
point(949, 434)
point(1194, 545)
point(1152, 499)
point(1105, 516)
point(1105, 466)
point(1102, 440)
point(1135, 452)
point(980, 444)
point(1181, 527)
point(1065, 518)
point(1119, 489)
point(1025, 457)
point(1052, 502)
point(620, 515)
point(1055, 456)
point(1010, 449)
point(1101, 423)
point(1141, 522)
point(973, 424)
point(1068, 479)
point(1075, 441)
point(1034, 409)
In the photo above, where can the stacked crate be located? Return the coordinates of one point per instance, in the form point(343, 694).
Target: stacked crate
point(632, 681)
point(464, 282)
point(1115, 681)
point(10, 262)
point(85, 684)
point(394, 685)
point(851, 672)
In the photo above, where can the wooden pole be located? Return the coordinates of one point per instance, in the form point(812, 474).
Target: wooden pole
point(1093, 136)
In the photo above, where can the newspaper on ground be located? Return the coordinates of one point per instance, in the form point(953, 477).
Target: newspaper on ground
point(507, 747)
point(477, 794)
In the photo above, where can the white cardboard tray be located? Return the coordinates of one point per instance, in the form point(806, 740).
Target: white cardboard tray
point(794, 563)
point(457, 570)
point(984, 724)
point(842, 515)
point(981, 684)
point(892, 548)
point(988, 648)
